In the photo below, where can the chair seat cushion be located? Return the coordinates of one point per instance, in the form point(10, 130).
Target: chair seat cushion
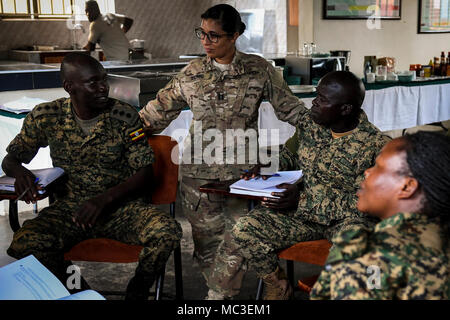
point(104, 250)
point(313, 252)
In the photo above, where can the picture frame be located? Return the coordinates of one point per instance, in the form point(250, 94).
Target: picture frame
point(362, 9)
point(433, 18)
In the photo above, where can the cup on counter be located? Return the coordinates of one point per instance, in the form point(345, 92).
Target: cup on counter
point(381, 71)
point(371, 77)
point(392, 76)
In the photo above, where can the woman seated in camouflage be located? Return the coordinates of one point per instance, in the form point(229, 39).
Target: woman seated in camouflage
point(406, 255)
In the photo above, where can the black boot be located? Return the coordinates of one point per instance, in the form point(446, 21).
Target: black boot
point(139, 287)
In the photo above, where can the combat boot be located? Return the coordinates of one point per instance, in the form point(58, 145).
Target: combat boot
point(214, 295)
point(277, 286)
point(139, 287)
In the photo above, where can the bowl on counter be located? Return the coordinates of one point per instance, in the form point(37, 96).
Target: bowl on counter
point(406, 76)
point(302, 88)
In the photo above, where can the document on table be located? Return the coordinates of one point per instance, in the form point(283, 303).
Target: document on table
point(28, 279)
point(46, 176)
point(24, 104)
point(264, 188)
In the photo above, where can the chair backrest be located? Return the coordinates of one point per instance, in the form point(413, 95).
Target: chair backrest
point(165, 171)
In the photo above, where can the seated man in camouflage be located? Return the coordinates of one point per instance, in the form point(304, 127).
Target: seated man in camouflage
point(333, 145)
point(406, 255)
point(108, 173)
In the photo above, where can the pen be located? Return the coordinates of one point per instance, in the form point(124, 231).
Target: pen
point(26, 190)
point(270, 175)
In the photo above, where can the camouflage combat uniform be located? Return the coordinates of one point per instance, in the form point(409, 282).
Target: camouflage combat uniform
point(218, 100)
point(93, 164)
point(405, 256)
point(332, 172)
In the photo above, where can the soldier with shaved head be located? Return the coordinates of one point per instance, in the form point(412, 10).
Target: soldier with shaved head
point(107, 180)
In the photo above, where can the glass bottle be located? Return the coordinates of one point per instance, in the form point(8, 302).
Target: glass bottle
point(367, 69)
point(437, 67)
point(448, 64)
point(443, 65)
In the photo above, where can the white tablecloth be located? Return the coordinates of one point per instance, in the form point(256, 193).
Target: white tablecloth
point(405, 107)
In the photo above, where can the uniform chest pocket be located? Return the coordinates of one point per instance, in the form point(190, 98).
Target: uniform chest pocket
point(202, 100)
point(110, 155)
point(343, 171)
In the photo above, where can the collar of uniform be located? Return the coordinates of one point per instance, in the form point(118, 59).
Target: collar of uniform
point(71, 122)
point(399, 219)
point(237, 65)
point(362, 126)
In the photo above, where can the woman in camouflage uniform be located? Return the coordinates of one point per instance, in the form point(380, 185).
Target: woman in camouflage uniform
point(224, 91)
point(406, 255)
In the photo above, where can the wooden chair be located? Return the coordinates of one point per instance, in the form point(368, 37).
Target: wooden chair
point(165, 172)
point(312, 252)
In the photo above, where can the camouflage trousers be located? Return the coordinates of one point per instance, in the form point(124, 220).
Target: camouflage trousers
point(211, 217)
point(255, 240)
point(53, 232)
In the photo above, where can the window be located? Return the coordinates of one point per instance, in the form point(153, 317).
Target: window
point(44, 9)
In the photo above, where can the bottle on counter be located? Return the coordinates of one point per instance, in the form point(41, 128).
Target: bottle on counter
point(448, 64)
point(432, 67)
point(443, 64)
point(437, 67)
point(367, 69)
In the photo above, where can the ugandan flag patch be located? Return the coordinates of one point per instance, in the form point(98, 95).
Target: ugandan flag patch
point(137, 135)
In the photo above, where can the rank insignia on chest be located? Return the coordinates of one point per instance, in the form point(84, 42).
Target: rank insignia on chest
point(137, 134)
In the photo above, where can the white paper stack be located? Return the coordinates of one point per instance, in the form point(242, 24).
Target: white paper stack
point(46, 176)
point(264, 188)
point(24, 104)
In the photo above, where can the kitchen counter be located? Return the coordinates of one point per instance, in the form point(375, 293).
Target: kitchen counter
point(20, 75)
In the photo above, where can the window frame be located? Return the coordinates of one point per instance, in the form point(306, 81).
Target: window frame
point(33, 8)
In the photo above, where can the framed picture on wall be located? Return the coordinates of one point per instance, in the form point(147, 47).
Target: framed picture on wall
point(434, 16)
point(362, 9)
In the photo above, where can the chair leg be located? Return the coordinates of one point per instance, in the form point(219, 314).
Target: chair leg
point(13, 216)
point(177, 264)
point(260, 289)
point(290, 271)
point(178, 274)
point(159, 285)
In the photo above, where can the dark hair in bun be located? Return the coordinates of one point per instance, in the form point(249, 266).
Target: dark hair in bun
point(228, 17)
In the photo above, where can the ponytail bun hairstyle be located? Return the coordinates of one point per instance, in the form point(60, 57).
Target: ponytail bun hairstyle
point(228, 17)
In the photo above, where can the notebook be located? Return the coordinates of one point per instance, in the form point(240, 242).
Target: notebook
point(46, 176)
point(264, 188)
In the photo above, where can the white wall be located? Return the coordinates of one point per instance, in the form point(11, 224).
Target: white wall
point(395, 38)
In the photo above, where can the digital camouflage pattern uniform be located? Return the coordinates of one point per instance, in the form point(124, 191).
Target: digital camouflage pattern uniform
point(92, 164)
point(410, 252)
point(218, 100)
point(332, 172)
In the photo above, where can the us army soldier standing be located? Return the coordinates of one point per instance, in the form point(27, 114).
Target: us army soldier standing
point(224, 91)
point(108, 174)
